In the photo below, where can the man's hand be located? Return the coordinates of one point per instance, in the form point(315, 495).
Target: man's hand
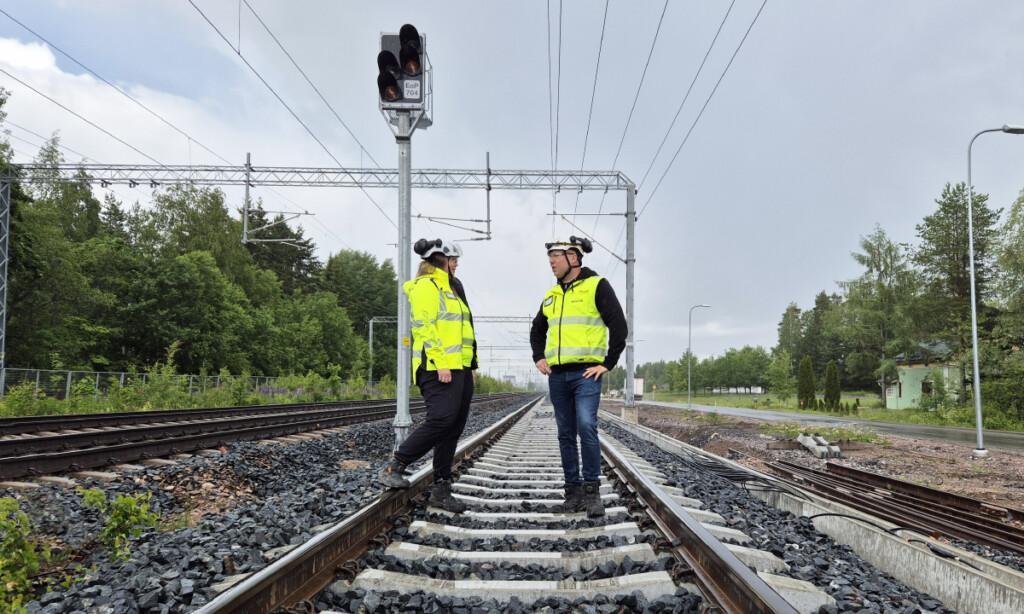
point(595, 372)
point(542, 366)
point(444, 376)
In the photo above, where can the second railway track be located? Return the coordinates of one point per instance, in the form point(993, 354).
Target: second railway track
point(52, 444)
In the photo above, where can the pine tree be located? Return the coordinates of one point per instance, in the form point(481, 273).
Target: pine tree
point(805, 384)
point(832, 392)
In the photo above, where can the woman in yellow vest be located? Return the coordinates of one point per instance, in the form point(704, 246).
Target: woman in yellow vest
point(443, 359)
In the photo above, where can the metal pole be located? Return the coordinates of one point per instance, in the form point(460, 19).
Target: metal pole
point(403, 420)
point(630, 303)
point(979, 451)
point(5, 236)
point(369, 381)
point(245, 203)
point(689, 359)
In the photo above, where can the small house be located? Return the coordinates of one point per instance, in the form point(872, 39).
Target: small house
point(915, 370)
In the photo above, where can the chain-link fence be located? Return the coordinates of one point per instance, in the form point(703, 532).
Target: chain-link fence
point(59, 384)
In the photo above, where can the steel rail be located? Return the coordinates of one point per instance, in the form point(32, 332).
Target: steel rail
point(934, 495)
point(86, 458)
point(309, 568)
point(34, 424)
point(162, 429)
point(922, 517)
point(724, 578)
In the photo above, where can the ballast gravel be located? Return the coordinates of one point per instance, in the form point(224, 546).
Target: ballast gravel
point(812, 556)
point(284, 491)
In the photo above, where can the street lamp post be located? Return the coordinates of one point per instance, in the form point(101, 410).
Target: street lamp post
point(689, 354)
point(979, 451)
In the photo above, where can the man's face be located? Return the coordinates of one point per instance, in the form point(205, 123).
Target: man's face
point(559, 265)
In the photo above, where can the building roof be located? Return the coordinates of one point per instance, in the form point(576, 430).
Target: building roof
point(927, 352)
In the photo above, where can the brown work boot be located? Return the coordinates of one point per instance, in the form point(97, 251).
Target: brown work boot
point(391, 475)
point(441, 496)
point(573, 498)
point(592, 499)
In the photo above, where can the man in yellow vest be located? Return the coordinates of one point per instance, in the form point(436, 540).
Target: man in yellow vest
point(577, 336)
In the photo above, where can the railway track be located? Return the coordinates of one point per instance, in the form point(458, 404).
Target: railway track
point(53, 444)
point(926, 510)
point(653, 544)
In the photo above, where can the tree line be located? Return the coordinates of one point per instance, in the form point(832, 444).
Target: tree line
point(111, 286)
point(906, 296)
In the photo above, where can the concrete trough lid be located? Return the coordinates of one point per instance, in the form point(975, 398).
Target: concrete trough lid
point(460, 485)
point(567, 561)
point(802, 595)
point(609, 512)
point(652, 584)
point(621, 528)
point(517, 502)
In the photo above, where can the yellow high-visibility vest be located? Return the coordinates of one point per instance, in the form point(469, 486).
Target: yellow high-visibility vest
point(576, 332)
point(441, 327)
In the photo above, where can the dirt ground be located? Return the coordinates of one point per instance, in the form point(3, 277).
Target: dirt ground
point(998, 479)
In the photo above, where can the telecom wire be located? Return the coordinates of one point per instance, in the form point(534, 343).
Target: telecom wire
point(86, 120)
point(558, 113)
point(310, 82)
point(143, 106)
point(291, 112)
point(629, 118)
point(593, 95)
point(688, 91)
point(703, 108)
point(699, 114)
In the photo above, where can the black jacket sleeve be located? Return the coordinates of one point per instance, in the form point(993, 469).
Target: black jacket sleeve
point(611, 312)
point(461, 291)
point(538, 335)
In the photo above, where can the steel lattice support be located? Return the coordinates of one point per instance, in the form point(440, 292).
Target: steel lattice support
point(154, 176)
point(5, 239)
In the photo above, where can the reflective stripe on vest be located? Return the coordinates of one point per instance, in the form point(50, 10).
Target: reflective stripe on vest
point(576, 332)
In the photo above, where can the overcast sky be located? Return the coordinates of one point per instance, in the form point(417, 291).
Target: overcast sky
point(834, 116)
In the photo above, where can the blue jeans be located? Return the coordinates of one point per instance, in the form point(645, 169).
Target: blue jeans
point(575, 400)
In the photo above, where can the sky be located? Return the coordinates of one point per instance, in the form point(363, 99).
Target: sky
point(832, 118)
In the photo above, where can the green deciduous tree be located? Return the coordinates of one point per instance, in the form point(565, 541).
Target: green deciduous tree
point(781, 382)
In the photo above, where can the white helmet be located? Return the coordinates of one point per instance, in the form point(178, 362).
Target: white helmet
point(428, 247)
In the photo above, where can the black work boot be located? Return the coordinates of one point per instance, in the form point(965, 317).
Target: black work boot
point(592, 499)
point(391, 475)
point(441, 496)
point(573, 498)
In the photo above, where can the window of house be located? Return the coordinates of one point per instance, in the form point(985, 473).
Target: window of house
point(926, 387)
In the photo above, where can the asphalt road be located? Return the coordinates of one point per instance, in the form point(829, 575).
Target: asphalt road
point(1001, 440)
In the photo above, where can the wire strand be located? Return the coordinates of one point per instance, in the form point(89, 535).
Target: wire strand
point(593, 96)
point(294, 115)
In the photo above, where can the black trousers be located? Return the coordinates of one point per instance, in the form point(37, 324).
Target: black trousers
point(447, 410)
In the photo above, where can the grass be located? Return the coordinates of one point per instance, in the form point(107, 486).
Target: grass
point(791, 430)
point(870, 409)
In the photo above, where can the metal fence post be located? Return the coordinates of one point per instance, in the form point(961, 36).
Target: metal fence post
point(67, 387)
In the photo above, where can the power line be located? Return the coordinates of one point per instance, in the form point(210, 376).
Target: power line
point(593, 95)
point(288, 108)
point(84, 119)
point(118, 89)
point(45, 140)
point(703, 108)
point(558, 113)
point(144, 107)
point(688, 90)
point(636, 97)
point(310, 83)
point(551, 125)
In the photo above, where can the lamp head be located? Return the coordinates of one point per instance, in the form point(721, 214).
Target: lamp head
point(1012, 129)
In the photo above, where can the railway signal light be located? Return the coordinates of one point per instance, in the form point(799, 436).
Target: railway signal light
point(400, 70)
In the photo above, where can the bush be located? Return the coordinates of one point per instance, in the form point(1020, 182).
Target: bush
point(124, 518)
point(805, 384)
point(20, 556)
point(832, 392)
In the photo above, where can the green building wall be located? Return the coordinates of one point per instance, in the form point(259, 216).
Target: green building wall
point(907, 393)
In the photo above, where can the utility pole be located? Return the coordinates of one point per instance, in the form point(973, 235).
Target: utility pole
point(403, 419)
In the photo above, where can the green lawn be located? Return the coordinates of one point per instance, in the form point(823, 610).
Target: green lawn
point(870, 409)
